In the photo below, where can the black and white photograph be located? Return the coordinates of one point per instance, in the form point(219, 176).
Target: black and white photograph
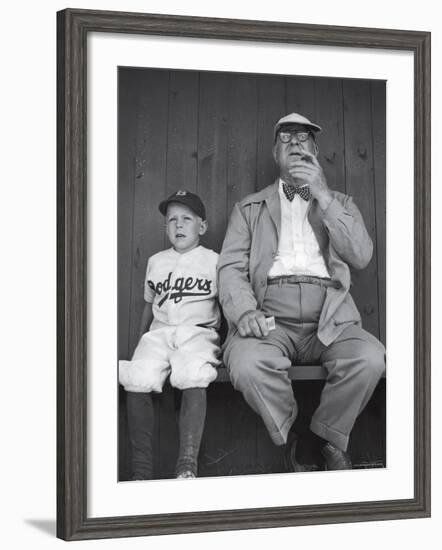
point(251, 274)
point(220, 275)
point(243, 275)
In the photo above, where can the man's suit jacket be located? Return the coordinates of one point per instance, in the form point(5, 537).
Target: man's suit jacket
point(251, 243)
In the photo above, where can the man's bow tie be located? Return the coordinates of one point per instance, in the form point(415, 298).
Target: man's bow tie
point(290, 191)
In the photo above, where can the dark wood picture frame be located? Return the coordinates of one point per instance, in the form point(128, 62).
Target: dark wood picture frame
point(73, 27)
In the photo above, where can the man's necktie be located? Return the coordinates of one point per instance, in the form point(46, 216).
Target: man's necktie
point(290, 191)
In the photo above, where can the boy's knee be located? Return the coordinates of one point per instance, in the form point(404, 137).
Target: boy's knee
point(188, 376)
point(142, 376)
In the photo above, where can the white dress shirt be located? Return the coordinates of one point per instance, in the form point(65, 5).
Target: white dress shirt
point(298, 249)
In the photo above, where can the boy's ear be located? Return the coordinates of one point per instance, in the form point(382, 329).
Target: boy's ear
point(203, 227)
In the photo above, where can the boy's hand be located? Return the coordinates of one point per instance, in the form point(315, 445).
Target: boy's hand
point(253, 323)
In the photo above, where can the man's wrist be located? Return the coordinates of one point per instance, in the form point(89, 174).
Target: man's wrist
point(324, 200)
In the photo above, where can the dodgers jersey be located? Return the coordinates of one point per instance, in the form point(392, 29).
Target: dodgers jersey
point(182, 288)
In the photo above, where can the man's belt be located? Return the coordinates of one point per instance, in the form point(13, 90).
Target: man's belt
point(296, 279)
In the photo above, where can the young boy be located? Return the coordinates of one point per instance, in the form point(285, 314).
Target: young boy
point(182, 316)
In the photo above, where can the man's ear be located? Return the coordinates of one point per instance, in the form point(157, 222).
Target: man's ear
point(274, 152)
point(203, 227)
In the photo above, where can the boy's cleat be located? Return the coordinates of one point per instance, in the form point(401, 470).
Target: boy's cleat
point(186, 474)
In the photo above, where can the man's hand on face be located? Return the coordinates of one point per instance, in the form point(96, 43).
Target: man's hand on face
point(253, 323)
point(306, 170)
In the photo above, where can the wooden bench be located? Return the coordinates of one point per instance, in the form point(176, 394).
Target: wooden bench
point(301, 372)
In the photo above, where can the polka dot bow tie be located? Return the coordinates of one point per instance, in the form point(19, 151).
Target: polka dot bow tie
point(290, 192)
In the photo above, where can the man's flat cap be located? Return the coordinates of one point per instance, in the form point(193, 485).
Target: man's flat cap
point(295, 118)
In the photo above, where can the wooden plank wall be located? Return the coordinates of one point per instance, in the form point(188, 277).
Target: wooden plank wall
point(211, 133)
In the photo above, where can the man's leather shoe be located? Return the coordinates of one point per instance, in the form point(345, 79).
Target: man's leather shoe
point(291, 464)
point(334, 458)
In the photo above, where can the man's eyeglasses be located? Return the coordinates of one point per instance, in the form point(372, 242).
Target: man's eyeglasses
point(286, 135)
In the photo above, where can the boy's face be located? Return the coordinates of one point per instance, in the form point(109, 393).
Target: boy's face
point(183, 227)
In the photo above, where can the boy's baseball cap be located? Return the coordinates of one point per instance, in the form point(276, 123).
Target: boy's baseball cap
point(188, 199)
point(295, 118)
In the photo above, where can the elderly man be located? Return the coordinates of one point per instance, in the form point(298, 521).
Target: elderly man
point(284, 280)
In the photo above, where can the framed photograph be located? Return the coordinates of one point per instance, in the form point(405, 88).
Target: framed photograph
point(156, 106)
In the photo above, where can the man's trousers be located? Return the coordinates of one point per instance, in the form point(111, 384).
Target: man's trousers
point(258, 368)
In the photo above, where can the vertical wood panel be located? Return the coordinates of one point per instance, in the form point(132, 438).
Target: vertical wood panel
point(242, 434)
point(167, 436)
point(379, 152)
point(241, 148)
point(301, 96)
point(150, 181)
point(124, 451)
point(127, 116)
point(214, 445)
point(212, 153)
point(271, 107)
point(368, 438)
point(359, 171)
point(229, 440)
point(182, 131)
point(329, 115)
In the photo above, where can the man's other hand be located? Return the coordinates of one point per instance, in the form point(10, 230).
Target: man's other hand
point(253, 323)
